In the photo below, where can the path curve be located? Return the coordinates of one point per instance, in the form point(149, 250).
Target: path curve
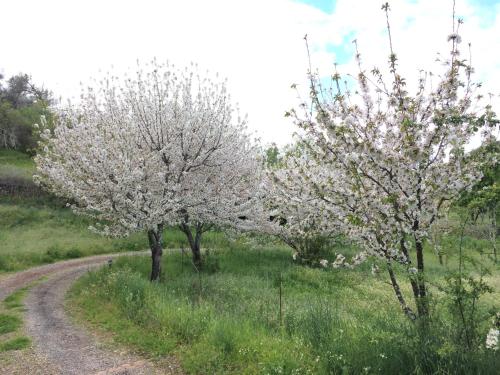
point(66, 347)
point(18, 280)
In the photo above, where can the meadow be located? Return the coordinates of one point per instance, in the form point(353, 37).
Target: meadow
point(253, 311)
point(15, 164)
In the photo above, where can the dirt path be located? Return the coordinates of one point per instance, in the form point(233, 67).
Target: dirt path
point(65, 348)
point(11, 283)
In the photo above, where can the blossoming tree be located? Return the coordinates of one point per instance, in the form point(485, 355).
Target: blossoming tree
point(292, 212)
point(392, 160)
point(224, 190)
point(143, 152)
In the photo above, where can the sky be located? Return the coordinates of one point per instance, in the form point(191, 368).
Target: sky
point(257, 45)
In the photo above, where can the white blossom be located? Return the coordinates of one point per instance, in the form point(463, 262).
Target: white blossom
point(382, 163)
point(162, 147)
point(492, 339)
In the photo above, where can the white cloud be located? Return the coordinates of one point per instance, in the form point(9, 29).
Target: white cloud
point(256, 44)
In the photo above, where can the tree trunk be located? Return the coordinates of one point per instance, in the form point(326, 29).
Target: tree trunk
point(194, 242)
point(420, 293)
point(406, 309)
point(493, 234)
point(197, 247)
point(156, 245)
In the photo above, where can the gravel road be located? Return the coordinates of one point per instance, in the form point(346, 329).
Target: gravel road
point(11, 283)
point(63, 347)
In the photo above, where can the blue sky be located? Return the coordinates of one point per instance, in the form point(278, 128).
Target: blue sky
point(485, 2)
point(484, 9)
point(484, 12)
point(419, 31)
point(328, 6)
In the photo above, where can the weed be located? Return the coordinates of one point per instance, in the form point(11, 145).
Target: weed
point(15, 344)
point(14, 300)
point(9, 323)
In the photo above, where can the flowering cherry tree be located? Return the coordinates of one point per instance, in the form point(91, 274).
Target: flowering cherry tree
point(389, 160)
point(292, 212)
point(225, 190)
point(144, 152)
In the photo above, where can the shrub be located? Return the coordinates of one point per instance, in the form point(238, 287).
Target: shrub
point(311, 249)
point(73, 253)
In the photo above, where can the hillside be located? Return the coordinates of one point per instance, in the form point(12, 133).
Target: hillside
point(36, 228)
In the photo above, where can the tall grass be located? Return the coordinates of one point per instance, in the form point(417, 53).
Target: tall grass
point(228, 321)
point(11, 323)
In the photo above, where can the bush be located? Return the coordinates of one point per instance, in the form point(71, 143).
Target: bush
point(310, 250)
point(53, 254)
point(73, 253)
point(3, 264)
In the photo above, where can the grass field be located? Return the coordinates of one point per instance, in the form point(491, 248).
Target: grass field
point(14, 164)
point(227, 320)
point(39, 229)
point(34, 232)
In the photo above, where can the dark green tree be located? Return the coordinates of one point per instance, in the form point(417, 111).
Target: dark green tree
point(483, 199)
point(22, 103)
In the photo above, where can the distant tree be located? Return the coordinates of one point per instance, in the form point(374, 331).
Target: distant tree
point(488, 154)
point(21, 105)
point(272, 155)
point(483, 200)
point(220, 195)
point(288, 210)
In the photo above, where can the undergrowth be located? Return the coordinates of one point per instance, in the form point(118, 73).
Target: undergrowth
point(229, 321)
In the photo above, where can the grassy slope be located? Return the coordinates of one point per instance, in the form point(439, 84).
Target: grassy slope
point(14, 164)
point(334, 321)
point(38, 230)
